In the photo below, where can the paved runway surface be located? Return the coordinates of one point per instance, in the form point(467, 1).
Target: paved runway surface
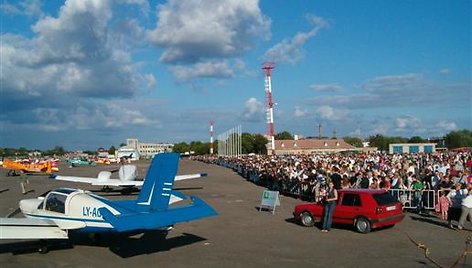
point(240, 236)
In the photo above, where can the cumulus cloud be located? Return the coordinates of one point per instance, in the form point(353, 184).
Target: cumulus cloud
point(71, 54)
point(445, 71)
point(446, 126)
point(63, 76)
point(150, 80)
point(254, 110)
point(211, 69)
point(291, 51)
point(299, 112)
point(30, 8)
point(409, 124)
point(326, 88)
point(192, 31)
point(403, 123)
point(398, 91)
point(327, 112)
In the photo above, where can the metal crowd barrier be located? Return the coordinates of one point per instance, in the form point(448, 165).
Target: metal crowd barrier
point(416, 199)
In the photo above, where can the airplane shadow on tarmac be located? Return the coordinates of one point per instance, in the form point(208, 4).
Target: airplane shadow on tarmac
point(123, 246)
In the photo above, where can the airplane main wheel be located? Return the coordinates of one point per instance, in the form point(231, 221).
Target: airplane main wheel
point(43, 247)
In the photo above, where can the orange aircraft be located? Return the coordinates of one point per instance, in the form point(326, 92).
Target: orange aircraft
point(14, 166)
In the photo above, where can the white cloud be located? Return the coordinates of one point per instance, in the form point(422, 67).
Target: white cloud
point(327, 88)
point(254, 110)
point(446, 126)
point(394, 83)
point(30, 8)
point(410, 90)
point(212, 69)
point(299, 112)
point(192, 31)
point(291, 51)
point(409, 124)
point(445, 71)
point(327, 112)
point(150, 80)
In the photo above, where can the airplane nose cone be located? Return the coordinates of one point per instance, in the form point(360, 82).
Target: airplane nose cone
point(29, 205)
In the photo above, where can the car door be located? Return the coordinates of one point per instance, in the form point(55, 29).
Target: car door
point(347, 209)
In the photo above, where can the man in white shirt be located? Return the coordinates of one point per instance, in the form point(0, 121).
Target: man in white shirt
point(466, 208)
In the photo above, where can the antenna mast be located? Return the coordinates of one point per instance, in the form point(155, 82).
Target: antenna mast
point(268, 66)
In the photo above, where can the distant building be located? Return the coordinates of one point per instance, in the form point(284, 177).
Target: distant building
point(144, 150)
point(309, 146)
point(399, 148)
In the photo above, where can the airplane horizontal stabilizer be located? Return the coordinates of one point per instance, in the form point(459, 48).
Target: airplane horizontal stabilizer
point(158, 218)
point(189, 176)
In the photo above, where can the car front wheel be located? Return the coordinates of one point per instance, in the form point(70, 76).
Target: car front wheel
point(307, 220)
point(362, 225)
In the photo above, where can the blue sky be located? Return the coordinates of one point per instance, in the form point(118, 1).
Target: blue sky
point(85, 74)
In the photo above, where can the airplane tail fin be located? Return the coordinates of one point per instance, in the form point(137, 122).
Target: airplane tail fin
point(159, 181)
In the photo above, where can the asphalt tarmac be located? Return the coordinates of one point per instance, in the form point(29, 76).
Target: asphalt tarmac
point(240, 236)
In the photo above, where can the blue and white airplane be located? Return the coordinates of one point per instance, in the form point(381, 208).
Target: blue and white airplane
point(67, 210)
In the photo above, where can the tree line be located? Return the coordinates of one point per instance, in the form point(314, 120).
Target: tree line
point(256, 143)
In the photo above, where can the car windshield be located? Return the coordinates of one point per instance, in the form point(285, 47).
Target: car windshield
point(384, 199)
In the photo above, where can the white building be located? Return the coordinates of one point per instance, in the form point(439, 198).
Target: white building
point(145, 150)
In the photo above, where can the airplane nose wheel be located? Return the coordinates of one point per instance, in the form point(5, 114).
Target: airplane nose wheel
point(43, 247)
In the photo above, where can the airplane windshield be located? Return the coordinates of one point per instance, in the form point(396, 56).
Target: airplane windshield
point(56, 202)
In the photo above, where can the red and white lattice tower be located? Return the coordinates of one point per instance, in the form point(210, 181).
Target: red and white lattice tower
point(211, 136)
point(268, 66)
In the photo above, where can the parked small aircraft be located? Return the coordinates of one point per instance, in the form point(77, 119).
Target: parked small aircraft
point(14, 167)
point(127, 178)
point(65, 210)
point(75, 162)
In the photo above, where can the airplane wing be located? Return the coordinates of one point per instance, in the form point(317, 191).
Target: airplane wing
point(29, 228)
point(75, 179)
point(118, 182)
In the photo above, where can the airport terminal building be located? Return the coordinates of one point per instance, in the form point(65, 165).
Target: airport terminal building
point(400, 148)
point(143, 150)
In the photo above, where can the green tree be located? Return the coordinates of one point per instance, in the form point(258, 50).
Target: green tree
point(416, 139)
point(459, 138)
point(112, 150)
point(284, 135)
point(181, 147)
point(58, 150)
point(354, 141)
point(247, 143)
point(379, 141)
point(260, 143)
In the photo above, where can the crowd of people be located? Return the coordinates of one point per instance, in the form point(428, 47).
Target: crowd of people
point(307, 176)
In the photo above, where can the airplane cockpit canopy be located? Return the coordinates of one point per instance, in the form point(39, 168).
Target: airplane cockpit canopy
point(55, 200)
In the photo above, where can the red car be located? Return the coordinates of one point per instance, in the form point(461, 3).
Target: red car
point(365, 209)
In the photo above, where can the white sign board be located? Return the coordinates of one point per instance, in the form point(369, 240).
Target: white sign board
point(270, 199)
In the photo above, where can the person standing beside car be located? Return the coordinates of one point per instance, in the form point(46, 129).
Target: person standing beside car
point(329, 206)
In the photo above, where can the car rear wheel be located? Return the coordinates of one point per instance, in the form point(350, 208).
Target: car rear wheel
point(307, 220)
point(362, 225)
